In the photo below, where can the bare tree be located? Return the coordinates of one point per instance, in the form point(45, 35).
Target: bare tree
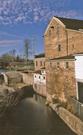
point(27, 48)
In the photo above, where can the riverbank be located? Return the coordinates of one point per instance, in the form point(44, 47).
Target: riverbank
point(11, 97)
point(32, 118)
point(72, 121)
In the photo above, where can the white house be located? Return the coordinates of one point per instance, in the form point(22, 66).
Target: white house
point(40, 77)
point(79, 76)
point(40, 82)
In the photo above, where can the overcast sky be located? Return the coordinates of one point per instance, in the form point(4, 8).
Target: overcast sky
point(20, 19)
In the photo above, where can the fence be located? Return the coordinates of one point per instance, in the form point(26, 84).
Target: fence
point(78, 108)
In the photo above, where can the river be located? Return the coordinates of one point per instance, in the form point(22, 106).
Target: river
point(32, 118)
point(2, 70)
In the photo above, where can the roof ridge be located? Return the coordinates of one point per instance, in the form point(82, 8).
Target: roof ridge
point(67, 18)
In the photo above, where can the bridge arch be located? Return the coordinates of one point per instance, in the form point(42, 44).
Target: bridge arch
point(3, 78)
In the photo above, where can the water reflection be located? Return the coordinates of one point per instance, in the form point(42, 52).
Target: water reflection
point(32, 118)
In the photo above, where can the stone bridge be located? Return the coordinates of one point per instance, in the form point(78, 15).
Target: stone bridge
point(14, 86)
point(13, 78)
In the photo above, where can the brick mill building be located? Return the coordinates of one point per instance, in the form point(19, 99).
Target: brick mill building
point(63, 42)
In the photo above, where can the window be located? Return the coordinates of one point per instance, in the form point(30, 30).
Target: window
point(67, 64)
point(44, 77)
point(35, 76)
point(72, 46)
point(58, 64)
point(39, 77)
point(44, 64)
point(59, 47)
point(52, 27)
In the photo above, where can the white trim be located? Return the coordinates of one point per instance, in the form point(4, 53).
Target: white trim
point(75, 30)
point(79, 80)
point(56, 19)
point(77, 96)
point(80, 54)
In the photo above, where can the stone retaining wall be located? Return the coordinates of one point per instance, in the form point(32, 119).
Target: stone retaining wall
point(13, 77)
point(27, 78)
point(71, 120)
point(40, 89)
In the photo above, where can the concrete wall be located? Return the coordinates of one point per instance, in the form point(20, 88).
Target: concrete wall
point(71, 120)
point(27, 78)
point(13, 78)
point(40, 89)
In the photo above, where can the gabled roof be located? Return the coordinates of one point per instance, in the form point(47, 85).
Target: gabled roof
point(68, 23)
point(38, 72)
point(40, 55)
point(71, 23)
